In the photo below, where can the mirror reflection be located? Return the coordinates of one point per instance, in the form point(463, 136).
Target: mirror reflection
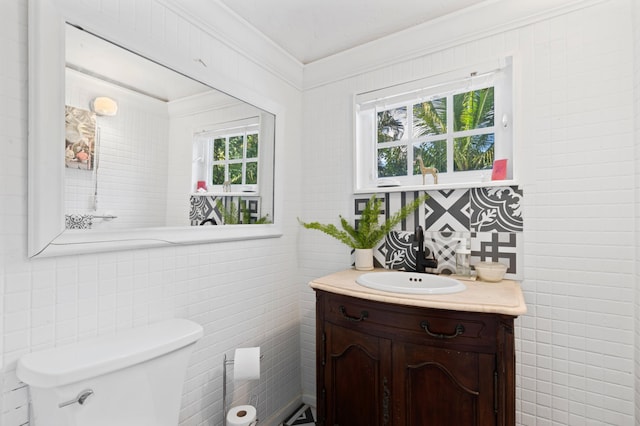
point(146, 146)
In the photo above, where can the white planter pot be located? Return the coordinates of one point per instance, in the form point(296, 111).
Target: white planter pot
point(364, 259)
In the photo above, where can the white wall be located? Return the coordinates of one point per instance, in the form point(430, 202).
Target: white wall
point(574, 136)
point(131, 164)
point(243, 293)
point(636, 115)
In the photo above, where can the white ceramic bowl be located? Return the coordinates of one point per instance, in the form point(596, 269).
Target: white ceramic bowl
point(490, 271)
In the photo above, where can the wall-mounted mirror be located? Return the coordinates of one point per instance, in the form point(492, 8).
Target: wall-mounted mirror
point(134, 154)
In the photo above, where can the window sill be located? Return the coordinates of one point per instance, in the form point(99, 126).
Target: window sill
point(226, 194)
point(438, 187)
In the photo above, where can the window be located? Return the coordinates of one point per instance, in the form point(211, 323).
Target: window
point(228, 157)
point(235, 159)
point(458, 127)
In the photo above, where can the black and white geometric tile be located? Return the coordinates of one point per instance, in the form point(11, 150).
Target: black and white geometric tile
point(204, 207)
point(503, 247)
point(78, 221)
point(400, 251)
point(496, 209)
point(303, 416)
point(391, 203)
point(447, 210)
point(490, 218)
point(444, 246)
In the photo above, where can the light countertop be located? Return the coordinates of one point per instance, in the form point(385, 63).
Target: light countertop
point(504, 297)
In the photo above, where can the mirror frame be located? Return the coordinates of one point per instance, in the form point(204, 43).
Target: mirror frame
point(46, 228)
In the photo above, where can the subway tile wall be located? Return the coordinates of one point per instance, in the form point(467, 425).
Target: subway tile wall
point(636, 100)
point(575, 346)
point(125, 159)
point(244, 293)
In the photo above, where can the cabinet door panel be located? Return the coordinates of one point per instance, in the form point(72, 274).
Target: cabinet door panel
point(357, 378)
point(440, 387)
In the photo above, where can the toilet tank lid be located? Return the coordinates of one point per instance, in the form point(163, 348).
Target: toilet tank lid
point(104, 354)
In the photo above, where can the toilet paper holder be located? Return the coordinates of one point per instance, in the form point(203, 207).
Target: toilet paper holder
point(224, 387)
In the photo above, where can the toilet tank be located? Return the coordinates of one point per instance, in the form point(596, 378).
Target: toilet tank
point(132, 378)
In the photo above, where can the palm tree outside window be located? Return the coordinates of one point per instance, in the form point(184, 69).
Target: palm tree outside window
point(459, 124)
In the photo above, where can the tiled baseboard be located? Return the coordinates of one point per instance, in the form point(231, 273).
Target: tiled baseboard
point(303, 416)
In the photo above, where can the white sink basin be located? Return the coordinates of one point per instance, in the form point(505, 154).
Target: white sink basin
point(410, 283)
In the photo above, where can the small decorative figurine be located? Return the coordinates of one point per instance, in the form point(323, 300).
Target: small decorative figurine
point(424, 170)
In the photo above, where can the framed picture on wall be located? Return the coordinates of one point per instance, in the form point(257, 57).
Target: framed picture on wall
point(80, 138)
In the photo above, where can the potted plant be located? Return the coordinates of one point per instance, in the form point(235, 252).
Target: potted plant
point(369, 231)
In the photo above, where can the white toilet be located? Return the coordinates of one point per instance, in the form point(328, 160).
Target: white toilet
point(133, 378)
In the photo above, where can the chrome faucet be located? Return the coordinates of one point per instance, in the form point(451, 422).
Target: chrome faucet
point(421, 261)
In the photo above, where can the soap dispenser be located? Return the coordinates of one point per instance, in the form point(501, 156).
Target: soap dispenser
point(463, 258)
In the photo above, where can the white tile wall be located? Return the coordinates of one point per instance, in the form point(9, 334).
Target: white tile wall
point(243, 293)
point(636, 85)
point(575, 346)
point(130, 173)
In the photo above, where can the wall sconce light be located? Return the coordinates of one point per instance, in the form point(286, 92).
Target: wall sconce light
point(104, 106)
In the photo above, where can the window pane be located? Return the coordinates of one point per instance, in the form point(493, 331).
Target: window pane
point(430, 118)
point(473, 110)
point(218, 174)
point(218, 149)
point(251, 177)
point(235, 173)
point(235, 147)
point(433, 154)
point(391, 124)
point(252, 145)
point(473, 152)
point(392, 161)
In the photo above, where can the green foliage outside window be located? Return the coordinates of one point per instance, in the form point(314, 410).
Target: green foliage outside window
point(235, 173)
point(474, 110)
point(391, 124)
point(471, 111)
point(252, 145)
point(432, 153)
point(236, 144)
point(230, 155)
point(392, 161)
point(219, 146)
point(218, 174)
point(430, 118)
point(251, 177)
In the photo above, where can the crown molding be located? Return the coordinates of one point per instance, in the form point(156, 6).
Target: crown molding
point(483, 20)
point(221, 23)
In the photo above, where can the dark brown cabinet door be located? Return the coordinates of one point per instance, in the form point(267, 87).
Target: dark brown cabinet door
point(357, 378)
point(442, 387)
point(381, 364)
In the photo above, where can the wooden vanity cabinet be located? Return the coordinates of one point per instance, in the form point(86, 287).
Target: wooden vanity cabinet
point(388, 364)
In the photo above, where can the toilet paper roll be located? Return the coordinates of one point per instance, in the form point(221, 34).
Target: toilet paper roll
point(242, 415)
point(246, 364)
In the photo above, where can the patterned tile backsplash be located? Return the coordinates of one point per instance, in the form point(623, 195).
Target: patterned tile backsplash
point(490, 218)
point(205, 208)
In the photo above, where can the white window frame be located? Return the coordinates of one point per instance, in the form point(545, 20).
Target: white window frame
point(490, 74)
point(228, 130)
point(227, 162)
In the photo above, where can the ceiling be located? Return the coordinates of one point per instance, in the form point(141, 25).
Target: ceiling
point(96, 57)
point(310, 30)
